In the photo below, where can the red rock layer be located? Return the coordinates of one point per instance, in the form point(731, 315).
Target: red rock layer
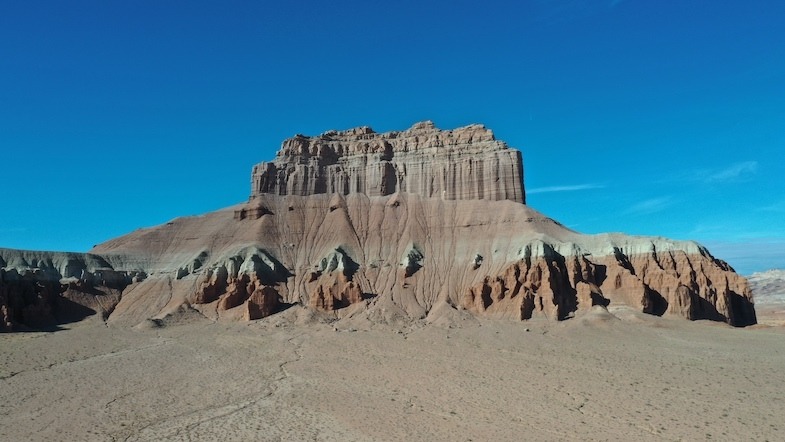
point(673, 282)
point(407, 254)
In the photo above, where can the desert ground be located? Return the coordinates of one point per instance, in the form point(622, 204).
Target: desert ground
point(604, 375)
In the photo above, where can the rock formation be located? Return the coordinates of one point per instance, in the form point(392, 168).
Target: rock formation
point(419, 224)
point(768, 286)
point(40, 289)
point(769, 290)
point(461, 164)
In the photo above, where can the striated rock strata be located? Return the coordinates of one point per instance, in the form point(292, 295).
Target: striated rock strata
point(40, 289)
point(390, 252)
point(461, 164)
point(768, 286)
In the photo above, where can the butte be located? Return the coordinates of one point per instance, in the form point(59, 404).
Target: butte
point(421, 224)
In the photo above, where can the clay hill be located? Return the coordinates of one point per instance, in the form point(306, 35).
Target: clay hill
point(769, 290)
point(419, 224)
point(770, 285)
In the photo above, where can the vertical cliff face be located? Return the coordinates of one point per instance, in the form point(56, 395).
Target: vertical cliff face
point(462, 164)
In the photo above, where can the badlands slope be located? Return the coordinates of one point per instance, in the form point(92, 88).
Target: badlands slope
point(769, 290)
point(418, 224)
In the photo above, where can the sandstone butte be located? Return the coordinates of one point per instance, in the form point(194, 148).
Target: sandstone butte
point(422, 224)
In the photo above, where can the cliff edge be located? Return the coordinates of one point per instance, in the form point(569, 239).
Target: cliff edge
point(462, 164)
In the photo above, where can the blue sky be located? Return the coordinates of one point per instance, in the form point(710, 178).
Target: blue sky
point(658, 118)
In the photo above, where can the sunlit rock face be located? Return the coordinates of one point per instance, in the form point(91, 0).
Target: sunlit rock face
point(423, 224)
point(463, 164)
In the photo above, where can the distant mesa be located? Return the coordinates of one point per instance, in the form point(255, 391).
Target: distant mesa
point(418, 225)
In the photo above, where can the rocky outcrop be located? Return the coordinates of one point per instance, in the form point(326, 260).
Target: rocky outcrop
point(43, 289)
point(465, 163)
point(246, 278)
point(769, 286)
point(402, 225)
point(330, 285)
point(693, 286)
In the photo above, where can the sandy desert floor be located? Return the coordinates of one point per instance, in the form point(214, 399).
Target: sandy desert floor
point(296, 377)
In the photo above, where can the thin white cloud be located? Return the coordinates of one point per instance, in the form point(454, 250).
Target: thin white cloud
point(570, 188)
point(739, 171)
point(711, 230)
point(650, 206)
point(729, 230)
point(734, 172)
